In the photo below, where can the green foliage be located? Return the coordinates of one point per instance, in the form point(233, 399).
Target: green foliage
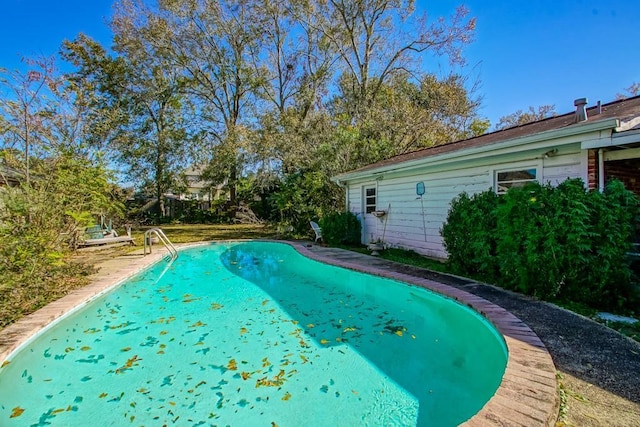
point(303, 197)
point(341, 228)
point(38, 224)
point(558, 243)
point(469, 234)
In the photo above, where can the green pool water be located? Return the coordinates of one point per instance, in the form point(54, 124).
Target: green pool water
point(254, 334)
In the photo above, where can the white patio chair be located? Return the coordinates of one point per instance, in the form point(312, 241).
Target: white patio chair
point(316, 229)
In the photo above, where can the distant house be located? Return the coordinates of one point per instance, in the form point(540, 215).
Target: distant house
point(194, 188)
point(595, 144)
point(198, 189)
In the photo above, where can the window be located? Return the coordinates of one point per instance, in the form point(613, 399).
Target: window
point(513, 178)
point(370, 199)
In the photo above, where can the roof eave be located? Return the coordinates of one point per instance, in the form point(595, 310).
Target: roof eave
point(592, 126)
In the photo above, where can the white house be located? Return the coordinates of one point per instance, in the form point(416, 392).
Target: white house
point(595, 144)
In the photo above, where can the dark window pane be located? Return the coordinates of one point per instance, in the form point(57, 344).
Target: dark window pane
point(517, 175)
point(370, 192)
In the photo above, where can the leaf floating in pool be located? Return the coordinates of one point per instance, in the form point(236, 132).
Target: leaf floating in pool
point(164, 332)
point(232, 365)
point(117, 398)
point(243, 331)
point(311, 326)
point(120, 326)
point(395, 329)
point(413, 336)
point(5, 363)
point(198, 324)
point(69, 349)
point(272, 423)
point(265, 302)
point(85, 348)
point(265, 362)
point(216, 306)
point(304, 359)
point(277, 381)
point(129, 364)
point(16, 412)
point(349, 329)
point(324, 341)
point(125, 349)
point(103, 395)
point(91, 331)
point(287, 396)
point(245, 375)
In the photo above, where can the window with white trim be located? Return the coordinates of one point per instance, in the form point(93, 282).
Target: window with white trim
point(506, 179)
point(370, 199)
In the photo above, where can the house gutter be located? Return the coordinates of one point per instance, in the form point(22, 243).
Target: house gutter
point(584, 127)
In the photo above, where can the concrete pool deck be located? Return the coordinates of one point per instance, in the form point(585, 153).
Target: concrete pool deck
point(527, 395)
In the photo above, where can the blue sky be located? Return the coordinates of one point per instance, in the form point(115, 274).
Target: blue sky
point(525, 53)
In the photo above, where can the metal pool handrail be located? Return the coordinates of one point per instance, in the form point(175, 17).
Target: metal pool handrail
point(173, 252)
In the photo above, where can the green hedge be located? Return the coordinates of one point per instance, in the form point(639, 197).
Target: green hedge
point(340, 228)
point(559, 242)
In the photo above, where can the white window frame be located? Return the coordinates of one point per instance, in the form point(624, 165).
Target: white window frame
point(514, 167)
point(365, 205)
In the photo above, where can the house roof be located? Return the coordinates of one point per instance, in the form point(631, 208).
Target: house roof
point(626, 112)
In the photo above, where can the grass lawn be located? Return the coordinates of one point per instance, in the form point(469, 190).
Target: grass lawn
point(188, 233)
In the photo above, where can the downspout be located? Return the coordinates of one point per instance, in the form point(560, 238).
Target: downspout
point(601, 170)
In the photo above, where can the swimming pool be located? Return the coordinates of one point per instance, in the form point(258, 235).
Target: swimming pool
point(255, 334)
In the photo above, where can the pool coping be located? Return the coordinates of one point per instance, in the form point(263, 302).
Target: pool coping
point(527, 395)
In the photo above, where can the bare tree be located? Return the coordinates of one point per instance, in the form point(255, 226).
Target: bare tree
point(632, 90)
point(24, 107)
point(376, 39)
point(523, 117)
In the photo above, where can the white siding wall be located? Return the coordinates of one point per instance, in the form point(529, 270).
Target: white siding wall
point(570, 162)
point(397, 193)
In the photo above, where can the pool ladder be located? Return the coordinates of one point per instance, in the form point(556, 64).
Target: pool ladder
point(173, 252)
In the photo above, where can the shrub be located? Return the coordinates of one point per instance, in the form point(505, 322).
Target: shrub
point(559, 242)
point(341, 228)
point(469, 237)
